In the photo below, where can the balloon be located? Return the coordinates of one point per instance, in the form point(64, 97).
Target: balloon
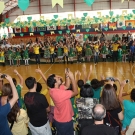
point(89, 2)
point(23, 4)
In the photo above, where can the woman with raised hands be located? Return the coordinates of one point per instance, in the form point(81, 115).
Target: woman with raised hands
point(5, 106)
point(129, 107)
point(114, 114)
point(19, 87)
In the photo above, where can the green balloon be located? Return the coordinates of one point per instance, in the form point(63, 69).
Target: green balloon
point(29, 18)
point(111, 13)
point(87, 30)
point(7, 20)
point(68, 31)
point(106, 29)
point(42, 33)
point(133, 11)
point(23, 4)
point(55, 16)
point(124, 27)
point(60, 32)
point(21, 34)
point(85, 14)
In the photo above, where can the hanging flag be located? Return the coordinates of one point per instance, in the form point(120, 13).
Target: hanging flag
point(17, 30)
point(95, 26)
point(2, 6)
point(112, 25)
point(71, 27)
point(62, 27)
point(120, 24)
point(51, 28)
point(54, 2)
point(41, 28)
point(86, 26)
point(130, 23)
point(32, 29)
point(104, 25)
point(25, 29)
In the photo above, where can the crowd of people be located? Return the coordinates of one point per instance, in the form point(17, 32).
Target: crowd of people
point(75, 105)
point(69, 49)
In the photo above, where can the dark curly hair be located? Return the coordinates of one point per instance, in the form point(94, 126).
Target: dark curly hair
point(132, 95)
point(96, 83)
point(7, 91)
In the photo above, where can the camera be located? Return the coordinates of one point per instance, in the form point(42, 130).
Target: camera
point(3, 76)
point(127, 81)
point(110, 79)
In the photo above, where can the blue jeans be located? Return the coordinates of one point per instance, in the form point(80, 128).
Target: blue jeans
point(52, 58)
point(64, 128)
point(96, 57)
point(37, 58)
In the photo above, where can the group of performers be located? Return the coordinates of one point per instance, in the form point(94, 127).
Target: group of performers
point(13, 54)
point(66, 50)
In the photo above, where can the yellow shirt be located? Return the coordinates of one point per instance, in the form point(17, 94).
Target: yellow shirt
point(79, 48)
point(115, 47)
point(36, 49)
point(47, 95)
point(20, 127)
point(96, 48)
point(78, 96)
point(52, 50)
point(65, 49)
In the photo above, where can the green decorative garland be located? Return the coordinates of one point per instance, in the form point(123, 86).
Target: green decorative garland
point(74, 21)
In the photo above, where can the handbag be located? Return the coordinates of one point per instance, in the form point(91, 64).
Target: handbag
point(11, 125)
point(117, 128)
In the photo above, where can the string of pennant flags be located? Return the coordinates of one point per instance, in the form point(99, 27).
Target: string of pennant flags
point(70, 20)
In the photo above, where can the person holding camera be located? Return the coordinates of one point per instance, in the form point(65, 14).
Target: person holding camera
point(98, 128)
point(63, 110)
point(129, 107)
point(5, 106)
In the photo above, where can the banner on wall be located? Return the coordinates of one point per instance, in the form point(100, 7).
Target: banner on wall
point(32, 29)
point(86, 26)
point(95, 26)
point(41, 28)
point(104, 25)
point(130, 23)
point(71, 27)
point(120, 24)
point(62, 27)
point(112, 25)
point(25, 29)
point(10, 30)
point(17, 30)
point(51, 28)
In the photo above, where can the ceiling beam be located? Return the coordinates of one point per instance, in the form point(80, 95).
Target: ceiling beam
point(74, 8)
point(110, 4)
point(39, 6)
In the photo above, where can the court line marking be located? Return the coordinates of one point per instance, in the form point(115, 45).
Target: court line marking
point(45, 72)
point(5, 70)
point(95, 70)
point(132, 70)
